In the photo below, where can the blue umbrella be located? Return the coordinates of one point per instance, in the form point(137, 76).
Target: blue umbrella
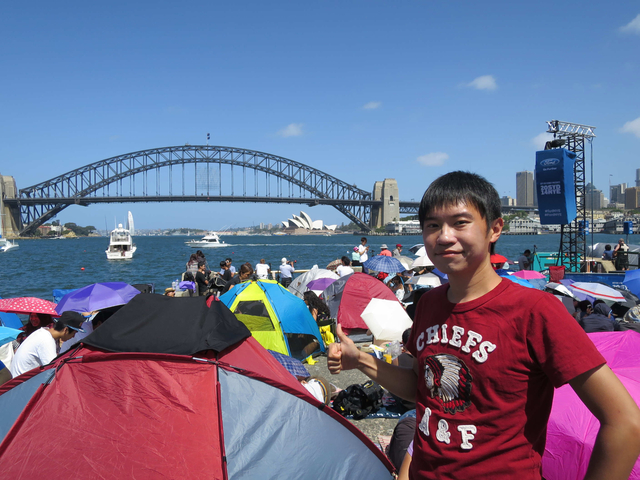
point(382, 263)
point(8, 334)
point(97, 297)
point(632, 281)
point(10, 320)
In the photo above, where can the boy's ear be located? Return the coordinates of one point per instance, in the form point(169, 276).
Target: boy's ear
point(496, 229)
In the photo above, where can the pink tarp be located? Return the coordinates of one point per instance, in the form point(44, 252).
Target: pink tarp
point(572, 428)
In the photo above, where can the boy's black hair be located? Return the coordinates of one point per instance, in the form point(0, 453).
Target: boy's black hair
point(345, 261)
point(461, 187)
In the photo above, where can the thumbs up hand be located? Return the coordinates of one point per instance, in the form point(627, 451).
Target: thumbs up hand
point(344, 355)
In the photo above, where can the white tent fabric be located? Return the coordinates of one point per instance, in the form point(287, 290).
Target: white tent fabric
point(299, 284)
point(386, 319)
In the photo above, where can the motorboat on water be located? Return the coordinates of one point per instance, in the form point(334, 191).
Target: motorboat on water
point(6, 245)
point(121, 246)
point(211, 239)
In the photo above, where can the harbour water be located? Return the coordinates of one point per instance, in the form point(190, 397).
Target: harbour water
point(39, 266)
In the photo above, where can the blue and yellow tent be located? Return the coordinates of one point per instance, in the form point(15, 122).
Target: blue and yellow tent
point(277, 319)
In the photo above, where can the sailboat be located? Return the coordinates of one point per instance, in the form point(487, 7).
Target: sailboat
point(121, 246)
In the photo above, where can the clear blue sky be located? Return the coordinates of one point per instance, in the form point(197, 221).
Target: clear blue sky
point(363, 90)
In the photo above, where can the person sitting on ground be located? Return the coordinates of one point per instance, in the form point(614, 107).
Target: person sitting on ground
point(246, 271)
point(384, 250)
point(42, 345)
point(318, 309)
point(286, 272)
point(36, 321)
point(201, 279)
point(262, 270)
point(344, 269)
point(397, 287)
point(584, 308)
point(225, 272)
point(397, 252)
point(232, 269)
point(488, 354)
point(355, 257)
point(608, 253)
point(188, 283)
point(598, 321)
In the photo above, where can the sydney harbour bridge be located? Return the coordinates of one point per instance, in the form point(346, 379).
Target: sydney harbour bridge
point(198, 173)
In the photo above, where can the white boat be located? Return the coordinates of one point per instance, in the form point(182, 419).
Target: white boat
point(6, 245)
point(121, 246)
point(211, 239)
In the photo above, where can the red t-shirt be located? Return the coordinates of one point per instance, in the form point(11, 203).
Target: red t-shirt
point(487, 370)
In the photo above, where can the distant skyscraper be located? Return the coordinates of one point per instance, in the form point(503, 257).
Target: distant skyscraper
point(632, 197)
point(507, 201)
point(524, 189)
point(637, 177)
point(594, 198)
point(616, 194)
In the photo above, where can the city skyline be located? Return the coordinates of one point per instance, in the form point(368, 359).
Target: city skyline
point(360, 90)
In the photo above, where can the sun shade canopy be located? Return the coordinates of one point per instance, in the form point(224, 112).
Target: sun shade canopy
point(158, 324)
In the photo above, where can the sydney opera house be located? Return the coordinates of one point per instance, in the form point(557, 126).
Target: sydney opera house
point(303, 224)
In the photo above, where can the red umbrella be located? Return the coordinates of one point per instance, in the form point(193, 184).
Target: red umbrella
point(28, 305)
point(496, 258)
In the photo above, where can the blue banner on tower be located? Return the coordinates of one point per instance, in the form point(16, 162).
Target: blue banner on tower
point(555, 186)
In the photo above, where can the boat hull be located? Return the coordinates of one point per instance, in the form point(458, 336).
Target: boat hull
point(121, 255)
point(198, 244)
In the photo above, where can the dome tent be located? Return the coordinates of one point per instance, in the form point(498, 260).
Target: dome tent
point(277, 319)
point(142, 398)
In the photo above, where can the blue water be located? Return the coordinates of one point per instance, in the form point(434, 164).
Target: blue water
point(39, 266)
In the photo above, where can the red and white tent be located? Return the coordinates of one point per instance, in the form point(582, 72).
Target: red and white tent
point(171, 388)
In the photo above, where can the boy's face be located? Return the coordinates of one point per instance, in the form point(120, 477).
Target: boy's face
point(457, 239)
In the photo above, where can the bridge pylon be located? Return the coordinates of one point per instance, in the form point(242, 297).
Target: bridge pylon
point(385, 191)
point(9, 216)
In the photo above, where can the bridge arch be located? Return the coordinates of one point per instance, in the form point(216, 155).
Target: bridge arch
point(96, 182)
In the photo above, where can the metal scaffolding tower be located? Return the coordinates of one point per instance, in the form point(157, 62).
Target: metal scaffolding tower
point(573, 237)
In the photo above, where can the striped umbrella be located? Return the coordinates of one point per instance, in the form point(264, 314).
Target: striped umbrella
point(597, 290)
point(382, 263)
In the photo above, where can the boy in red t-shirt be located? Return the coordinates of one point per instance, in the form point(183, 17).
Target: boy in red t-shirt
point(488, 354)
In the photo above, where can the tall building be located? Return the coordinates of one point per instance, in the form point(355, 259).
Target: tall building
point(594, 198)
point(616, 193)
point(632, 198)
point(507, 201)
point(637, 177)
point(524, 189)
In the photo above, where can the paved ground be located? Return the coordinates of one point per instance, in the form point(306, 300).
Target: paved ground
point(371, 427)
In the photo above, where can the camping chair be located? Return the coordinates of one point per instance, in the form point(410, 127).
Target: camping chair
point(556, 273)
point(328, 334)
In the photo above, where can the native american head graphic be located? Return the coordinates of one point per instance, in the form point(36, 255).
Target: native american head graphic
point(448, 379)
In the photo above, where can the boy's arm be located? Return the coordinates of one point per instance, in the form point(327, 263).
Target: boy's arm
point(618, 442)
point(403, 382)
